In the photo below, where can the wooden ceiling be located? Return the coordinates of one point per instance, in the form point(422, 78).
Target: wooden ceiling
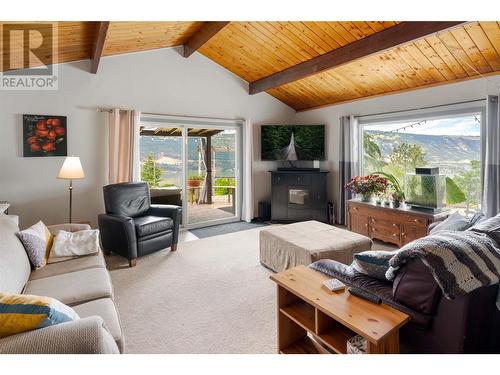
point(259, 52)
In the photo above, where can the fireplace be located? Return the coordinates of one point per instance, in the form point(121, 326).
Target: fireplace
point(298, 195)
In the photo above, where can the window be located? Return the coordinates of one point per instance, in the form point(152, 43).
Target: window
point(451, 143)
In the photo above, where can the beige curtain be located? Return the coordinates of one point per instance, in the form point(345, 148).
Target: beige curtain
point(122, 140)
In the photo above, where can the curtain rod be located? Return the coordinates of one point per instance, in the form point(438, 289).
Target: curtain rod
point(109, 110)
point(417, 109)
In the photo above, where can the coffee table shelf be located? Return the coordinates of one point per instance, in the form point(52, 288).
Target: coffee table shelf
point(301, 313)
point(305, 346)
point(313, 320)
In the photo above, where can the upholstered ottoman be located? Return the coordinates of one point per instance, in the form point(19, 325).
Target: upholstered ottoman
point(287, 246)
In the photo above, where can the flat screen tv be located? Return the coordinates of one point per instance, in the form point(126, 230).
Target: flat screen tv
point(293, 142)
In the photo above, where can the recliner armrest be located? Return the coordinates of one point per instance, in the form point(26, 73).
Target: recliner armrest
point(83, 336)
point(166, 210)
point(171, 211)
point(118, 235)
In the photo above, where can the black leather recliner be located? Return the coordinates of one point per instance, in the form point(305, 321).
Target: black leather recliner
point(132, 226)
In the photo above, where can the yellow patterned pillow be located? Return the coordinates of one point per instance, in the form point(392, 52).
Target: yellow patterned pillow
point(23, 312)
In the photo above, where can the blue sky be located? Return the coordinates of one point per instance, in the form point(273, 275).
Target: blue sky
point(465, 125)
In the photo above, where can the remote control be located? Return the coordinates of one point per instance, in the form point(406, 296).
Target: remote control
point(365, 295)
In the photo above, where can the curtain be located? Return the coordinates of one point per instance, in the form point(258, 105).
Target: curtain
point(349, 165)
point(123, 146)
point(491, 158)
point(247, 206)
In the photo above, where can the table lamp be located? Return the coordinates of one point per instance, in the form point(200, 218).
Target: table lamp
point(71, 170)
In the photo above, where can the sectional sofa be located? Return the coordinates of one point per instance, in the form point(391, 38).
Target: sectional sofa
point(82, 283)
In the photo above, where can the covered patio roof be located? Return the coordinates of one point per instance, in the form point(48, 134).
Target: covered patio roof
point(177, 132)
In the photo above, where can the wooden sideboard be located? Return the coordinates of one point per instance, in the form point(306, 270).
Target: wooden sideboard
point(394, 225)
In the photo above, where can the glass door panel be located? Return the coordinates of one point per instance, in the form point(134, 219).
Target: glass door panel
point(212, 183)
point(161, 163)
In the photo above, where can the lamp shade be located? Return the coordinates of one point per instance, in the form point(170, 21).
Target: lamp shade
point(71, 169)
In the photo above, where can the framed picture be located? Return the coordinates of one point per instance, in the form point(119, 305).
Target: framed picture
point(44, 135)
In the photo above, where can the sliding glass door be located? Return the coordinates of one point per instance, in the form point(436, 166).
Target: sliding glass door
point(193, 163)
point(212, 182)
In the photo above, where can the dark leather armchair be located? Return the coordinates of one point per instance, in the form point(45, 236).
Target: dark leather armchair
point(132, 226)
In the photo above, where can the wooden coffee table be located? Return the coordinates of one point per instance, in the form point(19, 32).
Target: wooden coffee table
point(314, 320)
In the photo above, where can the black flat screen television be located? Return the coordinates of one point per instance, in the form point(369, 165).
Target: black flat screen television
point(293, 142)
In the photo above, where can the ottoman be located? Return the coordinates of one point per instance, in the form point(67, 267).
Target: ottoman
point(287, 246)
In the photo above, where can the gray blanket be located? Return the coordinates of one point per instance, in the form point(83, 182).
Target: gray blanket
point(460, 262)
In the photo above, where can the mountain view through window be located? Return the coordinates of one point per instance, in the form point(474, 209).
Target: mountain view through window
point(452, 144)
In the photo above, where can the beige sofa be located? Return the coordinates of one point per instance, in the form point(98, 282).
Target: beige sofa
point(82, 283)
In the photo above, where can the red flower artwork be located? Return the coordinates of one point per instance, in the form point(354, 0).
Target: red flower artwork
point(44, 135)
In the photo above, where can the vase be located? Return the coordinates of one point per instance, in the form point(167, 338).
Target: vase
point(366, 197)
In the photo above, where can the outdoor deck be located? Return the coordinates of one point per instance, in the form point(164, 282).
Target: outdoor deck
point(219, 209)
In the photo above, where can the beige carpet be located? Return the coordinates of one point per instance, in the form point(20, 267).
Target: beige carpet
point(210, 296)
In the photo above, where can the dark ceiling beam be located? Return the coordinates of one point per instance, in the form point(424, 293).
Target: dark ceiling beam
point(394, 36)
point(203, 35)
point(102, 30)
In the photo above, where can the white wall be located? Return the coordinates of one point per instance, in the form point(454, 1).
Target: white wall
point(440, 95)
point(160, 81)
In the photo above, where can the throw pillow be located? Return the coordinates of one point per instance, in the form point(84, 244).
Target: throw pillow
point(476, 218)
point(454, 222)
point(490, 227)
point(71, 244)
point(373, 263)
point(22, 312)
point(37, 241)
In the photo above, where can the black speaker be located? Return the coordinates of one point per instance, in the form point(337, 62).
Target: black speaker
point(264, 211)
point(331, 213)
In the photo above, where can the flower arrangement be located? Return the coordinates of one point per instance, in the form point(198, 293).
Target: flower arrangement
point(366, 186)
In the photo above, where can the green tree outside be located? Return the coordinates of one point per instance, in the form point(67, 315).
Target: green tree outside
point(150, 172)
point(405, 158)
point(470, 182)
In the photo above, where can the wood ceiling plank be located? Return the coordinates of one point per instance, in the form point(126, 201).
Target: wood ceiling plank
point(242, 45)
point(492, 31)
point(414, 58)
point(258, 46)
point(376, 26)
point(364, 28)
point(471, 50)
point(331, 29)
point(202, 36)
point(239, 59)
point(294, 35)
point(290, 40)
point(319, 28)
point(342, 31)
point(452, 45)
point(446, 55)
point(279, 47)
point(305, 31)
point(129, 36)
point(484, 45)
point(376, 66)
point(411, 75)
point(434, 59)
point(376, 43)
point(353, 30)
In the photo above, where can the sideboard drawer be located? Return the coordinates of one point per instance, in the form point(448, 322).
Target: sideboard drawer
point(392, 230)
point(417, 221)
